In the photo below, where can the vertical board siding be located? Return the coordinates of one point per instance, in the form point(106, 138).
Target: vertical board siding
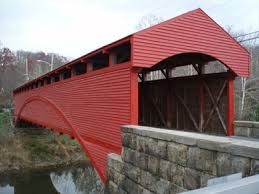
point(191, 32)
point(96, 104)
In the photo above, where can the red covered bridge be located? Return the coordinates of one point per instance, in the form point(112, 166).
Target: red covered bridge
point(178, 74)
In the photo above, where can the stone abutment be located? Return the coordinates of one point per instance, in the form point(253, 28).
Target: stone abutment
point(158, 161)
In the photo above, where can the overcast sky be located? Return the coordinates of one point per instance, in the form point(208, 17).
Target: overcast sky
point(74, 27)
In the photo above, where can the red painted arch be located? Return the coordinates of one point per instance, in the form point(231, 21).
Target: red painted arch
point(92, 106)
point(66, 120)
point(179, 54)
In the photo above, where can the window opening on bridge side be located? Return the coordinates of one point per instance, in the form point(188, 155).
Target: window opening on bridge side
point(47, 80)
point(117, 55)
point(120, 54)
point(79, 68)
point(100, 61)
point(66, 74)
point(41, 83)
point(55, 78)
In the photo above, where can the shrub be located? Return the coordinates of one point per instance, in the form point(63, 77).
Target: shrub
point(5, 128)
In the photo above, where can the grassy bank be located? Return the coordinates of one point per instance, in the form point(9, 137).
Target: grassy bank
point(34, 149)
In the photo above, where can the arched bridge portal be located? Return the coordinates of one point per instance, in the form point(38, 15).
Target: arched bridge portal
point(135, 81)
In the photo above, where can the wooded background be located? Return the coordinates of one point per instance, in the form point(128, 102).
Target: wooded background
point(18, 67)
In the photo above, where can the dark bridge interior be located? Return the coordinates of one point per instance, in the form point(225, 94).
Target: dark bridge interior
point(188, 92)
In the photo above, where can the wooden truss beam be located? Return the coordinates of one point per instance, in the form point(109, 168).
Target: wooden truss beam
point(215, 104)
point(160, 115)
point(189, 113)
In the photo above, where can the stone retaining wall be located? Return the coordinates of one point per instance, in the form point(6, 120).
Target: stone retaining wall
point(247, 129)
point(168, 161)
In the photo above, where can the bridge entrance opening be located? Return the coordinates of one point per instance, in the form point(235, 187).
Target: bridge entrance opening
point(190, 91)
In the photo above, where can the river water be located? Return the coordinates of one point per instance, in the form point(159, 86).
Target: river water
point(69, 180)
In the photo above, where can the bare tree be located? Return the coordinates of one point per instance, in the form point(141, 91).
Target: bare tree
point(247, 89)
point(148, 21)
point(17, 67)
point(145, 22)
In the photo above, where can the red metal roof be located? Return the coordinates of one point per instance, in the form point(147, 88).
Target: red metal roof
point(193, 31)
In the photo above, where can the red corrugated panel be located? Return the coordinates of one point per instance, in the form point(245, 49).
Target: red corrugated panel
point(95, 104)
point(194, 31)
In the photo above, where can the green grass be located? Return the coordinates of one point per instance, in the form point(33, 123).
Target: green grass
point(5, 126)
point(3, 119)
point(39, 150)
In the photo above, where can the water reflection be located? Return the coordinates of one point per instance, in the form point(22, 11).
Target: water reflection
point(73, 180)
point(80, 180)
point(6, 189)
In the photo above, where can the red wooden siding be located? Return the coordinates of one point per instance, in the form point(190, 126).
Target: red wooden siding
point(231, 106)
point(95, 104)
point(194, 31)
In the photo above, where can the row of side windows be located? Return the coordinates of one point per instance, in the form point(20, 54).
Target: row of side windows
point(118, 55)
